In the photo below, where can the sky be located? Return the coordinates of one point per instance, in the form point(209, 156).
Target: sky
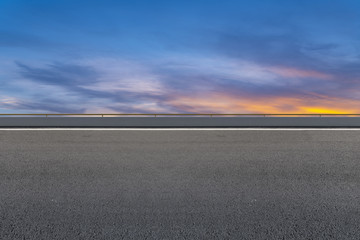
point(188, 56)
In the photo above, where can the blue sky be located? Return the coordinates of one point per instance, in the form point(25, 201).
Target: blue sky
point(260, 56)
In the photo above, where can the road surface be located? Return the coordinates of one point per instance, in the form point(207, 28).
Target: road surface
point(180, 184)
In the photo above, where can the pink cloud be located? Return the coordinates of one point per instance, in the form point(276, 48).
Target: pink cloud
point(299, 73)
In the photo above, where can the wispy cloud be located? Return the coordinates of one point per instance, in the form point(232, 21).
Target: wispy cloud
point(288, 72)
point(98, 84)
point(178, 85)
point(225, 103)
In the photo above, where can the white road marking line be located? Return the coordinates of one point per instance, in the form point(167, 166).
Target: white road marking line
point(179, 129)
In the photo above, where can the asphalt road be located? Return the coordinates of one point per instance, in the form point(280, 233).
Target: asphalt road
point(179, 185)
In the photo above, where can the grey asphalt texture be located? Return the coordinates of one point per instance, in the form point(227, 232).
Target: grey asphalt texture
point(179, 185)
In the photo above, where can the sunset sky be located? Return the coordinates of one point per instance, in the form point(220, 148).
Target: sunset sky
point(189, 56)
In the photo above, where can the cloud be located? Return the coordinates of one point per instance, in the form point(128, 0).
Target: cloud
point(179, 84)
point(225, 103)
point(32, 106)
point(59, 74)
point(288, 72)
point(124, 75)
point(96, 84)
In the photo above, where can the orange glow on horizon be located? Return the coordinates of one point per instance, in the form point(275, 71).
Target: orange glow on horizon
point(221, 103)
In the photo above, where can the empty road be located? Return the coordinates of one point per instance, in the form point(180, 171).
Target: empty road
point(180, 184)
